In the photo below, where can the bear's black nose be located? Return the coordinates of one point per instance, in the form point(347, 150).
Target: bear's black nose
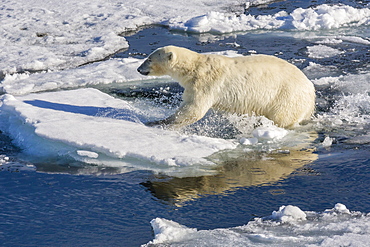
point(142, 72)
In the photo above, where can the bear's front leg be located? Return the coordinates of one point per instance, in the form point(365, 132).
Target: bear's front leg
point(187, 113)
point(162, 122)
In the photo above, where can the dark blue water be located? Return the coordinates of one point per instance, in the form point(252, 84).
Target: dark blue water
point(51, 209)
point(56, 205)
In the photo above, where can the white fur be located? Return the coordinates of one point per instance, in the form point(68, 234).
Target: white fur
point(258, 84)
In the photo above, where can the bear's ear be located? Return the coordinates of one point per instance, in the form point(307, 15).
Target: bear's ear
point(170, 56)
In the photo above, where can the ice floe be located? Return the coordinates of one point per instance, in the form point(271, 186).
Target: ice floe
point(90, 126)
point(289, 226)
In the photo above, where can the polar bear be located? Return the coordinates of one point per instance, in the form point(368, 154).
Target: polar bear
point(262, 85)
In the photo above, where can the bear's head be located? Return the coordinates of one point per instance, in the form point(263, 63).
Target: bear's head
point(158, 63)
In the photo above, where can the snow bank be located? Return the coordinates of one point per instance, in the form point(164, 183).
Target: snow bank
point(320, 17)
point(329, 16)
point(289, 226)
point(216, 22)
point(90, 126)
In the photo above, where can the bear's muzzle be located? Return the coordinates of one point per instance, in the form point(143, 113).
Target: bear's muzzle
point(141, 71)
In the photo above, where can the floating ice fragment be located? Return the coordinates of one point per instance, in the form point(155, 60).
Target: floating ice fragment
point(327, 142)
point(289, 214)
point(88, 154)
point(322, 51)
point(330, 41)
point(248, 141)
point(339, 208)
point(169, 231)
point(235, 45)
point(269, 133)
point(3, 159)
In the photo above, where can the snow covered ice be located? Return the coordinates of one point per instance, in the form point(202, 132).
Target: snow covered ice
point(52, 35)
point(42, 36)
point(106, 72)
point(55, 55)
point(93, 127)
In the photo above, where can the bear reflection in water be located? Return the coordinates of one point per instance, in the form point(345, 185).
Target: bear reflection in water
point(254, 168)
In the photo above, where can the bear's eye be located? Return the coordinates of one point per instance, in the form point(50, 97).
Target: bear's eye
point(149, 60)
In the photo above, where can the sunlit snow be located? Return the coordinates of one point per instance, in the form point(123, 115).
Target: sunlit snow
point(48, 48)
